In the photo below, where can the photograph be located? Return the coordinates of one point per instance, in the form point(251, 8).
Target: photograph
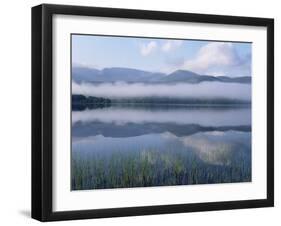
point(154, 111)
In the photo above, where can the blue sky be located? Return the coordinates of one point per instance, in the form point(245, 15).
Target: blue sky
point(162, 55)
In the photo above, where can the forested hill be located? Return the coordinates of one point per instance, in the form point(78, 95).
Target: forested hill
point(90, 100)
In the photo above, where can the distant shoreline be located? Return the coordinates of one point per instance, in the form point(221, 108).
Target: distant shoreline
point(79, 106)
point(163, 101)
point(171, 104)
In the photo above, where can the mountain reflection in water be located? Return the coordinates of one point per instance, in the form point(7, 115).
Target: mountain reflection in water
point(139, 146)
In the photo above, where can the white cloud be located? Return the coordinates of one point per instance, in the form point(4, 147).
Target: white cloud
point(171, 45)
point(148, 48)
point(215, 57)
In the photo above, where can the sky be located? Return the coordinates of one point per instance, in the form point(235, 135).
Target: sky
point(162, 55)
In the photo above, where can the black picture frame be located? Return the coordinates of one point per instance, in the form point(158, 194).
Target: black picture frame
point(42, 107)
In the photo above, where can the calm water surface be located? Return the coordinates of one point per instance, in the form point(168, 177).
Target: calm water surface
point(143, 145)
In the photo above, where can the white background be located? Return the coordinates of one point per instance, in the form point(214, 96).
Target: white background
point(65, 199)
point(15, 128)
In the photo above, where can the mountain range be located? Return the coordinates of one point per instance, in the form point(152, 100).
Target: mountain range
point(128, 75)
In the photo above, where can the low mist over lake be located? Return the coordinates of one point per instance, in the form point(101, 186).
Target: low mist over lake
point(206, 90)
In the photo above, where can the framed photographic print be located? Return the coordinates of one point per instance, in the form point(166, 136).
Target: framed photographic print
point(145, 112)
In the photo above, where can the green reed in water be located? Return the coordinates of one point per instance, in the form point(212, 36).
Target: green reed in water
point(142, 168)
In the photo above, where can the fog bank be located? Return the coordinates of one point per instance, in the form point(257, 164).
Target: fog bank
point(180, 90)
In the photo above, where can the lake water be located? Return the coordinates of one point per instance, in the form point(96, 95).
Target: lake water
point(160, 145)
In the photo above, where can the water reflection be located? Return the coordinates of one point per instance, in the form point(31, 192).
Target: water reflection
point(129, 146)
point(205, 116)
